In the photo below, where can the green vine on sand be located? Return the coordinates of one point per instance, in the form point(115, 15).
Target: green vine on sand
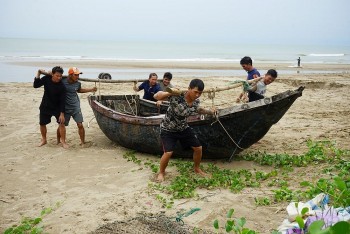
point(186, 183)
point(31, 225)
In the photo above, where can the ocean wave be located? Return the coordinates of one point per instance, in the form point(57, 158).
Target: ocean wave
point(61, 57)
point(69, 57)
point(326, 55)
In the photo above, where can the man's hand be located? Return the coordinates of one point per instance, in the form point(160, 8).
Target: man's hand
point(135, 88)
point(61, 118)
point(94, 89)
point(158, 103)
point(42, 71)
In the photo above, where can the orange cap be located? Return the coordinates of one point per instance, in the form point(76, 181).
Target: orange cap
point(74, 70)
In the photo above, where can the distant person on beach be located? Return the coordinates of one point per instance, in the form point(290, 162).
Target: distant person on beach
point(72, 107)
point(247, 64)
point(52, 103)
point(258, 89)
point(165, 84)
point(299, 62)
point(150, 87)
point(174, 126)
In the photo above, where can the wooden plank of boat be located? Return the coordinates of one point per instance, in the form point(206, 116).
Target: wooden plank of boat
point(238, 127)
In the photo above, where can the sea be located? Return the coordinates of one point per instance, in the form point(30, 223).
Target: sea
point(14, 50)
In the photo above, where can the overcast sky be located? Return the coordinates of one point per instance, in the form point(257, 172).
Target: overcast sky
point(226, 21)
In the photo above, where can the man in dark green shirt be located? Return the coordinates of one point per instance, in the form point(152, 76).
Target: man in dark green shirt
point(174, 126)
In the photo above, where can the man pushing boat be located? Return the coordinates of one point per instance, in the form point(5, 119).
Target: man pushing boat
point(174, 126)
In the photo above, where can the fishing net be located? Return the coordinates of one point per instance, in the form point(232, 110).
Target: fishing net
point(150, 224)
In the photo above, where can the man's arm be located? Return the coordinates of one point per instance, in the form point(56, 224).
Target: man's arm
point(253, 88)
point(37, 81)
point(161, 95)
point(136, 89)
point(81, 90)
point(253, 83)
point(63, 99)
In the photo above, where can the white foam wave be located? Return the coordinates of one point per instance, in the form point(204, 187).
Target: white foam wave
point(61, 57)
point(69, 57)
point(327, 55)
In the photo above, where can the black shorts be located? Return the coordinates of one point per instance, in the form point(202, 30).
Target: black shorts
point(45, 118)
point(187, 139)
point(254, 96)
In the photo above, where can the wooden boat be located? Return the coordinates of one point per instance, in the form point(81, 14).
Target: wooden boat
point(135, 123)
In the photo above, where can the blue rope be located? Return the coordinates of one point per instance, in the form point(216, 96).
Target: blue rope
point(181, 215)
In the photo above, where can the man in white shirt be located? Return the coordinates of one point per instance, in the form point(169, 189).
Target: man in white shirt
point(258, 90)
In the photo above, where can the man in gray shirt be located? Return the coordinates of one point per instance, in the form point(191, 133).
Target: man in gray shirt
point(72, 107)
point(166, 81)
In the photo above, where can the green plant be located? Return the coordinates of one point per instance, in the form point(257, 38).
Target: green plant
point(319, 152)
point(234, 225)
point(262, 201)
point(338, 189)
point(341, 227)
point(165, 203)
point(154, 166)
point(317, 227)
point(31, 225)
point(130, 156)
point(300, 218)
point(285, 194)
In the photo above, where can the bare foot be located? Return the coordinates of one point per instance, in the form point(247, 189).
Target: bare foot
point(200, 172)
point(64, 145)
point(160, 177)
point(43, 142)
point(86, 144)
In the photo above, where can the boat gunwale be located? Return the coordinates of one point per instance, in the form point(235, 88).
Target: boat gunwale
point(194, 119)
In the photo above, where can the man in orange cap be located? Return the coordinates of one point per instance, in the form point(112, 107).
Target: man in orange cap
point(72, 106)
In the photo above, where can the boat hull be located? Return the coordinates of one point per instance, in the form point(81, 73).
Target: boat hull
point(237, 127)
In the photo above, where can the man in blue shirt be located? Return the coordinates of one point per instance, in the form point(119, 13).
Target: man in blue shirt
point(150, 87)
point(247, 65)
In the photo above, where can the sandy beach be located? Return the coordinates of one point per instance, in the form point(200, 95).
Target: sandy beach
point(96, 185)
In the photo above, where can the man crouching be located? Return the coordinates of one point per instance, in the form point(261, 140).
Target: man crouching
point(174, 126)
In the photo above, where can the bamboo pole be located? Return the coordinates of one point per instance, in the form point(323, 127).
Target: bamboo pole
point(112, 81)
point(211, 90)
point(100, 80)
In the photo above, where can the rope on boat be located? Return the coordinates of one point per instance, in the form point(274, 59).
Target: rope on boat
point(245, 133)
point(211, 95)
point(90, 121)
point(134, 100)
point(99, 88)
point(218, 120)
point(129, 104)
